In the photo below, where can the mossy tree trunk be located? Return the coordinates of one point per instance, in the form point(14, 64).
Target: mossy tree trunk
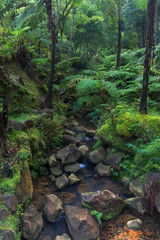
point(147, 62)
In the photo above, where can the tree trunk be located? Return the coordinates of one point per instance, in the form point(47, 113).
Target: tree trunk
point(149, 43)
point(119, 36)
point(71, 36)
point(157, 29)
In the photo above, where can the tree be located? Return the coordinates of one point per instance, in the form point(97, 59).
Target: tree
point(71, 36)
point(151, 10)
point(119, 35)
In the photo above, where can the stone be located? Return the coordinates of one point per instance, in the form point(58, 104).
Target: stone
point(81, 224)
point(103, 170)
point(53, 161)
point(97, 156)
point(67, 139)
point(29, 123)
point(32, 223)
point(62, 182)
point(150, 178)
point(10, 201)
point(56, 171)
point(83, 150)
point(63, 237)
point(6, 235)
point(137, 203)
point(104, 201)
point(73, 179)
point(157, 202)
point(69, 154)
point(3, 214)
point(114, 160)
point(52, 178)
point(72, 168)
point(69, 132)
point(126, 181)
point(137, 187)
point(53, 207)
point(135, 224)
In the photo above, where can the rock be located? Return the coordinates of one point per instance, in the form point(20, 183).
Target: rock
point(47, 238)
point(32, 223)
point(56, 171)
point(63, 237)
point(69, 154)
point(135, 224)
point(69, 132)
point(137, 187)
point(81, 137)
point(126, 181)
point(6, 235)
point(29, 123)
point(10, 201)
point(157, 202)
point(67, 139)
point(150, 178)
point(72, 168)
point(74, 123)
point(62, 182)
point(137, 203)
point(53, 207)
point(103, 170)
point(98, 155)
point(52, 178)
point(53, 161)
point(104, 201)
point(83, 150)
point(114, 160)
point(3, 214)
point(73, 179)
point(81, 224)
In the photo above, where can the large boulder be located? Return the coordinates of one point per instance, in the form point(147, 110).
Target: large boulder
point(137, 187)
point(53, 207)
point(105, 202)
point(62, 182)
point(63, 237)
point(81, 224)
point(32, 223)
point(137, 203)
point(98, 155)
point(10, 201)
point(103, 170)
point(69, 154)
point(6, 235)
point(72, 168)
point(114, 160)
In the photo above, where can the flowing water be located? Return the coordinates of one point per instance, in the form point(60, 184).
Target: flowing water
point(114, 229)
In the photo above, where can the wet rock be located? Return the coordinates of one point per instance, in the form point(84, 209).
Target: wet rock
point(56, 171)
point(72, 168)
point(29, 123)
point(69, 132)
point(137, 203)
point(73, 179)
point(83, 150)
point(69, 154)
point(53, 161)
point(3, 214)
point(52, 178)
point(10, 201)
point(81, 224)
point(6, 235)
point(104, 201)
point(67, 139)
point(81, 137)
point(103, 170)
point(149, 180)
point(97, 156)
point(114, 160)
point(135, 224)
point(32, 223)
point(63, 237)
point(62, 182)
point(53, 207)
point(137, 187)
point(157, 202)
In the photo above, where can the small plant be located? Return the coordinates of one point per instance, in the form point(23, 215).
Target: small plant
point(98, 216)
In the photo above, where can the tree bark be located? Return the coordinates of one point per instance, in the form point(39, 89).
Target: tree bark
point(157, 29)
point(119, 36)
point(71, 36)
point(149, 43)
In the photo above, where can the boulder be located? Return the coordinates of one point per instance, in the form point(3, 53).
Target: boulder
point(126, 181)
point(83, 150)
point(157, 202)
point(73, 179)
point(32, 223)
point(98, 155)
point(53, 207)
point(72, 168)
point(105, 202)
point(114, 160)
point(67, 139)
point(63, 237)
point(52, 178)
point(138, 203)
point(3, 214)
point(62, 182)
point(135, 224)
point(69, 154)
point(6, 235)
point(103, 170)
point(56, 171)
point(149, 180)
point(53, 161)
point(10, 201)
point(137, 187)
point(81, 224)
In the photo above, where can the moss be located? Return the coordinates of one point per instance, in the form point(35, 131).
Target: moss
point(114, 214)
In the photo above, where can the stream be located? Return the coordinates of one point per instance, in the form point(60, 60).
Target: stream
point(113, 229)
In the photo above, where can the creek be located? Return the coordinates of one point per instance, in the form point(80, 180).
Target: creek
point(113, 229)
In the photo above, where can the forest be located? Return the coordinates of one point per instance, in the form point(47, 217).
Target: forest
point(79, 119)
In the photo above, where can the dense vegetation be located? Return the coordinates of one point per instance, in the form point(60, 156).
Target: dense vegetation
point(86, 59)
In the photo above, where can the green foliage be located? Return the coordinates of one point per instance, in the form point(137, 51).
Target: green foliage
point(98, 216)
